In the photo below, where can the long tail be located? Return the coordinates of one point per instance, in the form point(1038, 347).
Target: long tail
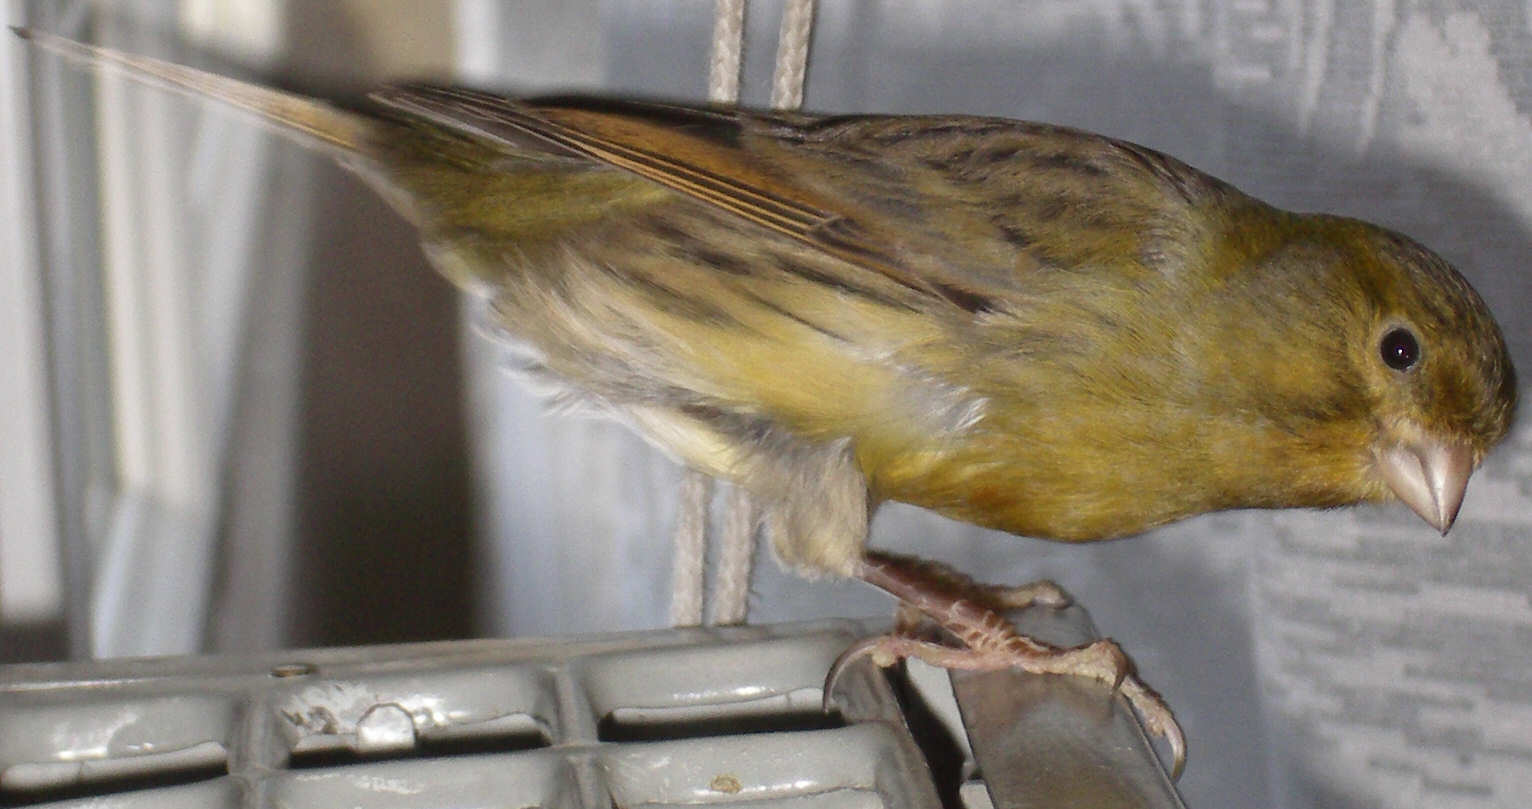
point(305, 119)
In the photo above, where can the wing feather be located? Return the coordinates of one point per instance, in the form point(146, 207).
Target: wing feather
point(699, 152)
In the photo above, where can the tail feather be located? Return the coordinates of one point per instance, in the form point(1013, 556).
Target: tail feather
point(291, 114)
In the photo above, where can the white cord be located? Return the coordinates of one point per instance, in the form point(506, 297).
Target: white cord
point(728, 48)
point(687, 572)
point(731, 596)
point(736, 555)
point(792, 55)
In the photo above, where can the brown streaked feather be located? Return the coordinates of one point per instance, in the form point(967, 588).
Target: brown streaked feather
point(959, 209)
point(706, 156)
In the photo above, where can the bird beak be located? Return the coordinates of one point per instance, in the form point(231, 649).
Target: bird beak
point(1429, 476)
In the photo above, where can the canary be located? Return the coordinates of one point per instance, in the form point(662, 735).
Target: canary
point(1024, 326)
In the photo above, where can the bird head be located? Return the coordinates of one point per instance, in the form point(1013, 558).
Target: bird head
point(1411, 369)
point(1437, 370)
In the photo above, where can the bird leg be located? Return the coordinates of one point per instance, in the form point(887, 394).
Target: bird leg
point(972, 612)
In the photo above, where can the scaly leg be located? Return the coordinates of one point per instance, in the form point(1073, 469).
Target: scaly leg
point(972, 613)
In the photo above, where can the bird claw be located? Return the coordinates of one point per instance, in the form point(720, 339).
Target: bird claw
point(1158, 720)
point(874, 647)
point(1040, 593)
point(1102, 660)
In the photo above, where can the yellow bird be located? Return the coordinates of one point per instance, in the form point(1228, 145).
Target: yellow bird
point(1027, 327)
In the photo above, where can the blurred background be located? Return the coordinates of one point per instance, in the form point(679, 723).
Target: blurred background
point(240, 411)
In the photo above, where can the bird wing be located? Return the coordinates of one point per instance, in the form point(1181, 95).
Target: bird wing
point(726, 158)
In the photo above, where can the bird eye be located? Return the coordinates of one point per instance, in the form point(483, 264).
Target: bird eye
point(1399, 349)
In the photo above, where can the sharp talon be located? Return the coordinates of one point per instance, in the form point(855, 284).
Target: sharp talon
point(863, 648)
point(1171, 731)
point(1112, 656)
point(1177, 751)
point(1158, 720)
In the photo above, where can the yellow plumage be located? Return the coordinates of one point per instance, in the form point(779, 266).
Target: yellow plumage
point(1028, 327)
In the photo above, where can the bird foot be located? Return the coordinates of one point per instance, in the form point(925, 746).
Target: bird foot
point(971, 612)
point(1103, 661)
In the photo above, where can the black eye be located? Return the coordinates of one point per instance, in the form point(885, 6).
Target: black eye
point(1399, 349)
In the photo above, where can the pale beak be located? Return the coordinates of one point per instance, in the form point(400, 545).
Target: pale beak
point(1429, 476)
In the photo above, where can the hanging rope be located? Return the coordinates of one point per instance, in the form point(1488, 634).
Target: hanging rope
point(736, 558)
point(736, 554)
point(792, 55)
point(689, 569)
point(728, 48)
